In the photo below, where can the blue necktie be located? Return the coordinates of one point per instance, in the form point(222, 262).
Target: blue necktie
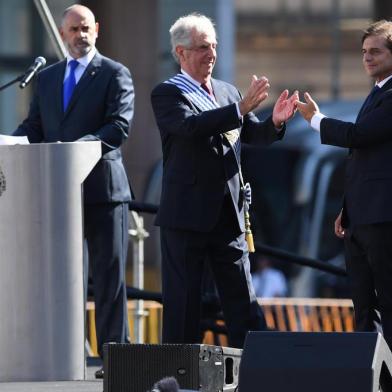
point(69, 84)
point(370, 97)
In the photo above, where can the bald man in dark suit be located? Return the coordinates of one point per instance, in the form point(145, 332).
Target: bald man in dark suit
point(89, 97)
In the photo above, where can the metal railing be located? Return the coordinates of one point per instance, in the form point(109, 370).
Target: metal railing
point(138, 235)
point(281, 314)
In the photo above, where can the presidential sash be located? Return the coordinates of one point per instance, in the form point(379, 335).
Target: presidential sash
point(200, 98)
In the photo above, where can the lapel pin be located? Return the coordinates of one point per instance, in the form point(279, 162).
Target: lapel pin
point(92, 73)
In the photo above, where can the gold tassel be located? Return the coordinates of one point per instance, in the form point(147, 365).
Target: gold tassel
point(248, 233)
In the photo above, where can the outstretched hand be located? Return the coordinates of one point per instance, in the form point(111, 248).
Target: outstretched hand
point(257, 93)
point(308, 108)
point(284, 108)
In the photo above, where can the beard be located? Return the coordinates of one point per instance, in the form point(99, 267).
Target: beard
point(79, 48)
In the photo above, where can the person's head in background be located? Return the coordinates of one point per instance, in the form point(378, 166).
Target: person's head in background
point(262, 262)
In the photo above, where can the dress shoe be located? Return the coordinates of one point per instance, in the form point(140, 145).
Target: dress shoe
point(99, 373)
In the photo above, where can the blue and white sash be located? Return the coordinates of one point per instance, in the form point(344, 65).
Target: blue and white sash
point(200, 98)
point(194, 93)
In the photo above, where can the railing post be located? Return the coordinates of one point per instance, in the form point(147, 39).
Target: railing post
point(138, 234)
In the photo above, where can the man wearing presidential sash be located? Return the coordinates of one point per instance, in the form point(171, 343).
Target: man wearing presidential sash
point(202, 122)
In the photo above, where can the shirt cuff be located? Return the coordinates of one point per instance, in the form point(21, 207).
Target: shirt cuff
point(279, 129)
point(237, 106)
point(316, 121)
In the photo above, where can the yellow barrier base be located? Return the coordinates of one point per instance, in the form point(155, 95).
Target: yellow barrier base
point(282, 314)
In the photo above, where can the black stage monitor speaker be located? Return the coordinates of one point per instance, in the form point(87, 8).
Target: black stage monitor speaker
point(309, 362)
point(200, 367)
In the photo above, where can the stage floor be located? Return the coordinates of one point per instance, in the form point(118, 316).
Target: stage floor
point(88, 385)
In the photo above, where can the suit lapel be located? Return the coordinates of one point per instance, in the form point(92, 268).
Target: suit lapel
point(229, 141)
point(376, 100)
point(58, 85)
point(220, 92)
point(387, 86)
point(223, 99)
point(88, 75)
point(220, 99)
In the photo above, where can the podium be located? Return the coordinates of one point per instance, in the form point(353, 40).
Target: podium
point(42, 332)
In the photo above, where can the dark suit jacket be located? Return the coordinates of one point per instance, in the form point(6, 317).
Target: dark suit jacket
point(198, 163)
point(101, 108)
point(368, 182)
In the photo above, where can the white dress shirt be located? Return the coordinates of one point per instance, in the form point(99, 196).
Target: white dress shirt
point(83, 63)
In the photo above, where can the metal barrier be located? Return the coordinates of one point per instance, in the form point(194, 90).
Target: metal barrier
point(281, 314)
point(138, 234)
point(298, 315)
point(149, 326)
point(308, 314)
point(139, 312)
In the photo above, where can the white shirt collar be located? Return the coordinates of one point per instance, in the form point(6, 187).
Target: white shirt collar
point(194, 80)
point(85, 60)
point(380, 84)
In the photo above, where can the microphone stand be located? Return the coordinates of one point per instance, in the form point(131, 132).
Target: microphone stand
point(17, 79)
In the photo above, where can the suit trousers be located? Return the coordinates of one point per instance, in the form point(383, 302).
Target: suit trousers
point(368, 251)
point(183, 256)
point(106, 237)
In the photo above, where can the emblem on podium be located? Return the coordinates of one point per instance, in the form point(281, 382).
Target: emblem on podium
point(3, 182)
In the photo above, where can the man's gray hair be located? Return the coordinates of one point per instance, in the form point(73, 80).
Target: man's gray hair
point(181, 30)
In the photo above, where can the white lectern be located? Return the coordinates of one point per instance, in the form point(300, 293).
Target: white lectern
point(42, 333)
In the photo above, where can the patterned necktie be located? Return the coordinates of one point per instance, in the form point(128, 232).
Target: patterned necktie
point(207, 89)
point(69, 84)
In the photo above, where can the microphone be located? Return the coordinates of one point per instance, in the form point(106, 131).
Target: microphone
point(39, 62)
point(167, 384)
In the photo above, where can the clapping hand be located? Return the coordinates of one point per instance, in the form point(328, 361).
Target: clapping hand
point(257, 93)
point(308, 108)
point(284, 108)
